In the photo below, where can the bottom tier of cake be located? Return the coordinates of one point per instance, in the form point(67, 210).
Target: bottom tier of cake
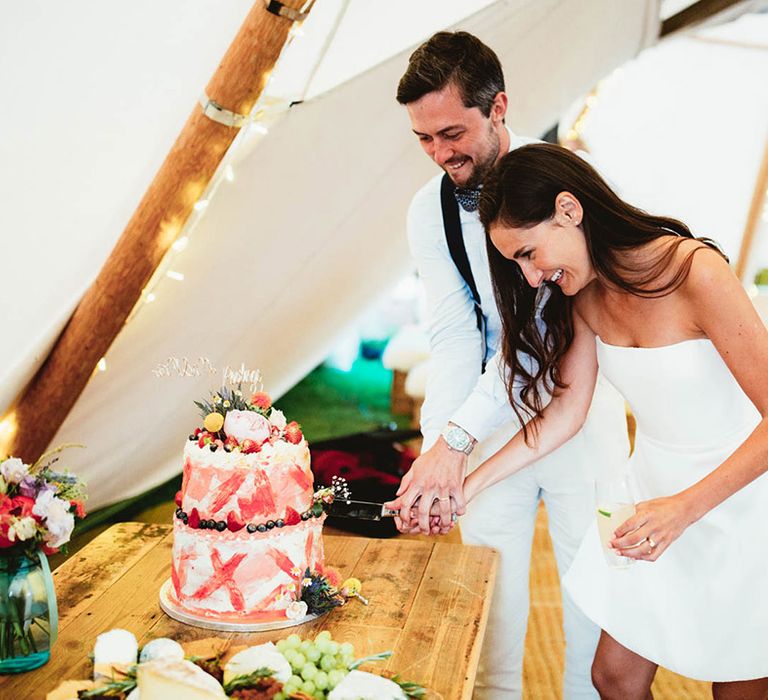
point(243, 576)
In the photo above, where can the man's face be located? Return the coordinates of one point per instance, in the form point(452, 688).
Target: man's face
point(461, 140)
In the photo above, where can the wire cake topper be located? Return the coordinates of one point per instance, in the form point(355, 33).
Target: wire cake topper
point(184, 367)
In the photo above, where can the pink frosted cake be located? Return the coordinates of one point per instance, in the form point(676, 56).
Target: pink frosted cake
point(247, 529)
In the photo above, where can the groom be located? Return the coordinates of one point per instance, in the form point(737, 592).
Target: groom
point(453, 90)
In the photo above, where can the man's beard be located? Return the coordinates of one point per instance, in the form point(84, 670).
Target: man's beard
point(483, 167)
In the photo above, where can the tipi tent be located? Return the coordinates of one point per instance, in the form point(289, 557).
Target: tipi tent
point(305, 226)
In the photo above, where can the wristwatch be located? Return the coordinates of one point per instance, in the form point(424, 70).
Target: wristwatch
point(458, 439)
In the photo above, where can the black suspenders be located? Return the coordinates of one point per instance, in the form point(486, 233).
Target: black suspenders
point(455, 240)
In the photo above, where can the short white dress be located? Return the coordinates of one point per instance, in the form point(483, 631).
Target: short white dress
point(701, 609)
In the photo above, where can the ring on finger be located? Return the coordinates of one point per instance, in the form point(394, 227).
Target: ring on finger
point(651, 543)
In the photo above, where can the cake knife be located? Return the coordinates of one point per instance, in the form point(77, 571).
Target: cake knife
point(367, 510)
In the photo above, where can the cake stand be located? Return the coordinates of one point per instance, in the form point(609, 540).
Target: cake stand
point(170, 607)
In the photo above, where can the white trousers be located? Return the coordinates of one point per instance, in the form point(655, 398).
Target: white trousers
point(503, 517)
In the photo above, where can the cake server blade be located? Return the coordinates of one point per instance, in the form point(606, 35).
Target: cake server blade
point(368, 510)
point(360, 510)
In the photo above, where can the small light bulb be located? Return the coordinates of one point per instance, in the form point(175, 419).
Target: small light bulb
point(229, 174)
point(260, 128)
point(178, 276)
point(201, 204)
point(150, 298)
point(102, 365)
point(180, 244)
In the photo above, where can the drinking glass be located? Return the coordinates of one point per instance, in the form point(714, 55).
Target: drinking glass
point(615, 505)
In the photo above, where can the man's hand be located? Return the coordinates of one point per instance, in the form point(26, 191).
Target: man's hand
point(436, 476)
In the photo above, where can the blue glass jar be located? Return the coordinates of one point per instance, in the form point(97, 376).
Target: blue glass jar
point(28, 612)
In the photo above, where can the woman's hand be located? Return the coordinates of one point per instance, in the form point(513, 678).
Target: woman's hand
point(432, 487)
point(655, 525)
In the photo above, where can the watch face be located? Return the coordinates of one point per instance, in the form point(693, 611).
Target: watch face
point(457, 439)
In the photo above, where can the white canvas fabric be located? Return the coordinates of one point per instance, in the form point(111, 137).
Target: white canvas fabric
point(309, 233)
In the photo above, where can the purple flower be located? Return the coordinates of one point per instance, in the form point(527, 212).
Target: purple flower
point(28, 487)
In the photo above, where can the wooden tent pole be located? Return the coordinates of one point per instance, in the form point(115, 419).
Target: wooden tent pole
point(753, 218)
point(694, 14)
point(191, 163)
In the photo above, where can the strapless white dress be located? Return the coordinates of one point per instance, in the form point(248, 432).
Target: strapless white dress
point(701, 609)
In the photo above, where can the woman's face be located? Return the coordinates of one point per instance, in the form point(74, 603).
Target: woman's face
point(552, 251)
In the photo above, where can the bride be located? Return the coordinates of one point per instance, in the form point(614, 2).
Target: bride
point(665, 319)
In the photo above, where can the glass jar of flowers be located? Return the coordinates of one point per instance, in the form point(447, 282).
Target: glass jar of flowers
point(39, 506)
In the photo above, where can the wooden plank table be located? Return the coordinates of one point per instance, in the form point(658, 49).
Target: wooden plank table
point(429, 604)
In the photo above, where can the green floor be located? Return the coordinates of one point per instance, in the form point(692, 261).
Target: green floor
point(327, 403)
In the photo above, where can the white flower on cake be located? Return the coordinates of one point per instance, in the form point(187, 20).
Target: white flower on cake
point(254, 658)
point(358, 685)
point(13, 470)
point(277, 419)
point(247, 425)
point(296, 610)
point(22, 529)
point(59, 521)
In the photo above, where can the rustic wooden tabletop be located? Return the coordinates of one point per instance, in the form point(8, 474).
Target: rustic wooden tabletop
point(429, 604)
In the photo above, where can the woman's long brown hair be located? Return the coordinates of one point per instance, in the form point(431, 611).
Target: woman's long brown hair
point(520, 192)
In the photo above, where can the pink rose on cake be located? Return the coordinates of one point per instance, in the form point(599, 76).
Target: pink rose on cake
point(247, 425)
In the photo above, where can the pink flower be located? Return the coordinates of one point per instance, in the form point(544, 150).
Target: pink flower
point(262, 400)
point(244, 425)
point(5, 525)
point(79, 507)
point(6, 504)
point(22, 505)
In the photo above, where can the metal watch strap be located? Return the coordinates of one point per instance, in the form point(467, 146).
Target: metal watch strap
point(470, 445)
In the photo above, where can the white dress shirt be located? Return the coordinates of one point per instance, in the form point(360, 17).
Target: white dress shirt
point(455, 342)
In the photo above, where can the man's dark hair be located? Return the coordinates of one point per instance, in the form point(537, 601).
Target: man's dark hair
point(456, 57)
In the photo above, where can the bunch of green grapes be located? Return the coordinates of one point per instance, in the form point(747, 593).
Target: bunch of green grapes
point(318, 666)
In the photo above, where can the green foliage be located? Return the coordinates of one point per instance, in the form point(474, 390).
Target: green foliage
point(70, 486)
point(111, 689)
point(227, 399)
point(319, 595)
point(381, 656)
point(38, 465)
point(412, 690)
point(247, 681)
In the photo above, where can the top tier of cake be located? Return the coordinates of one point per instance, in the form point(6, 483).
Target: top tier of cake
point(255, 487)
point(247, 467)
